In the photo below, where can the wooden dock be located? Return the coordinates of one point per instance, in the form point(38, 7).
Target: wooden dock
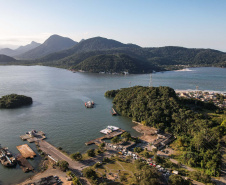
point(97, 141)
point(26, 151)
point(24, 164)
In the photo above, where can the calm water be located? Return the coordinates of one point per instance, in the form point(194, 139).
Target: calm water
point(59, 111)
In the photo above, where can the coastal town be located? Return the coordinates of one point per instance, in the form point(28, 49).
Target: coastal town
point(218, 98)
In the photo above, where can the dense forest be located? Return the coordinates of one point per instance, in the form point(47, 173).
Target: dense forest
point(115, 63)
point(14, 101)
point(198, 134)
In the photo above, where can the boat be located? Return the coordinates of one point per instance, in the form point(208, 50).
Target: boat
point(89, 104)
point(109, 129)
point(6, 158)
point(114, 113)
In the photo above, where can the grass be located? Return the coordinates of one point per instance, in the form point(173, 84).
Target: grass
point(114, 167)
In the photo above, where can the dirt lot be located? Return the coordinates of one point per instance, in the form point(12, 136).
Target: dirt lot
point(48, 172)
point(148, 132)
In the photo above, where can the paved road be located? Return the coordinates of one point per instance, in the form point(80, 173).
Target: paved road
point(76, 166)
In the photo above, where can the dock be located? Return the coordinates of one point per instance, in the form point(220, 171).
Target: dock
point(24, 164)
point(33, 136)
point(97, 141)
point(26, 151)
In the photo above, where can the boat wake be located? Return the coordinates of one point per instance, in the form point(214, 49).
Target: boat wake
point(186, 69)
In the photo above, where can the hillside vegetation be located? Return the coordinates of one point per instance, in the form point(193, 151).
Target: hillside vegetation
point(198, 134)
point(14, 101)
point(115, 63)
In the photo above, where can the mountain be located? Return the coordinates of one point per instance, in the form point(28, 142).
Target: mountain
point(23, 49)
point(115, 63)
point(6, 51)
point(53, 44)
point(4, 59)
point(20, 50)
point(92, 44)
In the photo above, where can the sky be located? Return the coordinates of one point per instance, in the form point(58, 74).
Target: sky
point(147, 23)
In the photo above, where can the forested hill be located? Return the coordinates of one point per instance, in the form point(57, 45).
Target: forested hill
point(198, 134)
point(115, 63)
point(5, 59)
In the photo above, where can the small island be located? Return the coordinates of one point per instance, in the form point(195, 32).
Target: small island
point(14, 101)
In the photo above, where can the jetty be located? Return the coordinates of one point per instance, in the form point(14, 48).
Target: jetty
point(24, 164)
point(26, 151)
point(33, 136)
point(110, 135)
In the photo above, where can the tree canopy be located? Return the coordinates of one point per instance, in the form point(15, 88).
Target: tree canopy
point(14, 101)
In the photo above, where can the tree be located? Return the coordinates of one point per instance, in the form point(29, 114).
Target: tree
point(177, 180)
point(102, 145)
point(138, 149)
point(89, 173)
point(91, 152)
point(115, 140)
point(63, 165)
point(154, 150)
point(126, 136)
point(76, 156)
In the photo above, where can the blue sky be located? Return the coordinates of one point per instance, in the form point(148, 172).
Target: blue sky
point(148, 23)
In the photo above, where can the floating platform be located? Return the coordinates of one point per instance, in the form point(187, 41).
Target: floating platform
point(24, 164)
point(107, 136)
point(26, 151)
point(33, 136)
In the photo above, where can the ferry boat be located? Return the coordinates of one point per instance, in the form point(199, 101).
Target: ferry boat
point(89, 104)
point(6, 158)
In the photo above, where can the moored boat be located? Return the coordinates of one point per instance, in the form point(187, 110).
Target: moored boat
point(89, 104)
point(6, 158)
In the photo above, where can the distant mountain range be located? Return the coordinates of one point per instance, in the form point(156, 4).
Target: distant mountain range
point(101, 54)
point(20, 50)
point(53, 44)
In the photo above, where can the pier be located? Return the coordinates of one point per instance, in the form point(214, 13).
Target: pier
point(26, 151)
point(24, 164)
point(97, 141)
point(33, 136)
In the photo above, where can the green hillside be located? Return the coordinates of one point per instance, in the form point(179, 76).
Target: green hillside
point(115, 63)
